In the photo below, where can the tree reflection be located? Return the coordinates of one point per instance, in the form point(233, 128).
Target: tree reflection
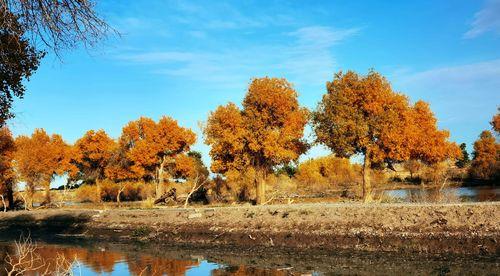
point(50, 259)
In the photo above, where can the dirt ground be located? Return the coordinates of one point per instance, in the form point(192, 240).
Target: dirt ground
point(466, 228)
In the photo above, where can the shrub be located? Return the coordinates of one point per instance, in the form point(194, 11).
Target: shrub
point(109, 190)
point(328, 172)
point(87, 193)
point(148, 190)
point(132, 191)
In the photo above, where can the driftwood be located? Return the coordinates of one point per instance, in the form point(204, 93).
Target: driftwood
point(167, 197)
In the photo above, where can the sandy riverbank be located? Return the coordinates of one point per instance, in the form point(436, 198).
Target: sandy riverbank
point(467, 228)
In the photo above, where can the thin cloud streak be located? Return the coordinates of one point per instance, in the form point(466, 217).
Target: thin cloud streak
point(461, 77)
point(305, 55)
point(485, 20)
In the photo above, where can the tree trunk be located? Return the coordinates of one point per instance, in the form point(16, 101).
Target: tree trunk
point(261, 188)
point(10, 194)
point(99, 189)
point(366, 178)
point(47, 193)
point(119, 194)
point(161, 176)
point(30, 192)
point(3, 203)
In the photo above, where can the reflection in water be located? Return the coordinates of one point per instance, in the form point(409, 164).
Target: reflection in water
point(129, 260)
point(46, 259)
point(446, 195)
point(244, 270)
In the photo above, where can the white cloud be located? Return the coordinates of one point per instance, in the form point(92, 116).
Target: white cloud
point(485, 20)
point(461, 77)
point(304, 55)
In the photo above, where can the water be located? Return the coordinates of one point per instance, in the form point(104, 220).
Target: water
point(120, 259)
point(446, 195)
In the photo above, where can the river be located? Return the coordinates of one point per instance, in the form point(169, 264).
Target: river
point(446, 195)
point(120, 259)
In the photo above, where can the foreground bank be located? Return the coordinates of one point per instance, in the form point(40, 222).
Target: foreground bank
point(469, 228)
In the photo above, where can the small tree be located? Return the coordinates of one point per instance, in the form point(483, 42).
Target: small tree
point(363, 115)
point(41, 157)
point(151, 146)
point(93, 153)
point(486, 158)
point(94, 150)
point(267, 132)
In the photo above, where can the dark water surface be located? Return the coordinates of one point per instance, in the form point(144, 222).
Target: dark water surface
point(445, 195)
point(121, 259)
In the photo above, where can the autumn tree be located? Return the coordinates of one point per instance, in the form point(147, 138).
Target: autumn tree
point(41, 157)
point(152, 147)
point(363, 115)
point(486, 158)
point(93, 152)
point(7, 174)
point(266, 133)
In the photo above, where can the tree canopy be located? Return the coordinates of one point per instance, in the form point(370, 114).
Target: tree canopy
point(363, 115)
point(93, 153)
point(18, 61)
point(267, 132)
point(152, 146)
point(40, 157)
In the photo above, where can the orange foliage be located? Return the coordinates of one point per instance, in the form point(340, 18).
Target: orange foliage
point(88, 193)
point(185, 166)
point(94, 150)
point(40, 157)
point(266, 132)
point(429, 144)
point(149, 145)
point(118, 167)
point(363, 115)
point(486, 158)
point(333, 171)
point(7, 174)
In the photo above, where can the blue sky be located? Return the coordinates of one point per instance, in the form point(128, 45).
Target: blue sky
point(182, 59)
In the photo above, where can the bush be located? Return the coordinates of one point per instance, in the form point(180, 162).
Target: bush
point(328, 172)
point(87, 193)
point(133, 191)
point(109, 190)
